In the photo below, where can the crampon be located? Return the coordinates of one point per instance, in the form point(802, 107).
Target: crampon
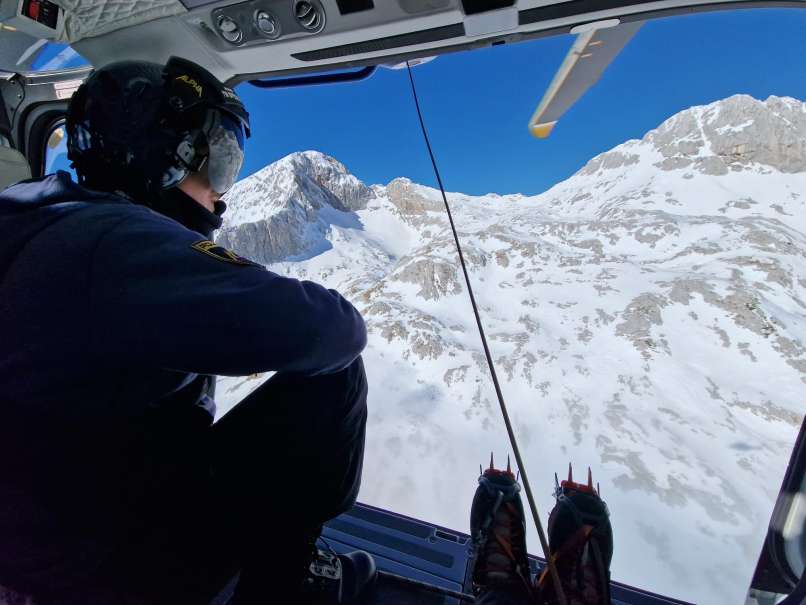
point(498, 533)
point(580, 545)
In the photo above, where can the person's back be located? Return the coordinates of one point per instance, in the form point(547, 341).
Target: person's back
point(117, 311)
point(66, 412)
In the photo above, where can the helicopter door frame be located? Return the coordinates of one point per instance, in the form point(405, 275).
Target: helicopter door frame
point(775, 575)
point(33, 104)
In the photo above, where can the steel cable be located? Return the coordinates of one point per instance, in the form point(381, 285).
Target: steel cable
point(513, 442)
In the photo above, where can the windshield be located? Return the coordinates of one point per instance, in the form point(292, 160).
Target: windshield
point(57, 56)
point(639, 275)
point(22, 53)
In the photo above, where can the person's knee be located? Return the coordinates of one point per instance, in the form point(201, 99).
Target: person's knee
point(357, 376)
point(347, 389)
point(355, 391)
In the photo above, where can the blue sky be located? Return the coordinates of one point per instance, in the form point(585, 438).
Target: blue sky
point(477, 104)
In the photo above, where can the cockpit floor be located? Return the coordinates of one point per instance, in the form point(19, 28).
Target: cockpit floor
point(424, 564)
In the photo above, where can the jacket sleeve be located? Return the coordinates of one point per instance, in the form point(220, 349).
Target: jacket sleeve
point(155, 299)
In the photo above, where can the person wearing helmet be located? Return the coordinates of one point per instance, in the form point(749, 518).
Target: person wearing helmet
point(117, 310)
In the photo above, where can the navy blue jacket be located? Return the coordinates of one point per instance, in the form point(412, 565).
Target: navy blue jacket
point(109, 309)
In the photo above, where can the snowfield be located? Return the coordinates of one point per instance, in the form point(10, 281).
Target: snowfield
point(647, 317)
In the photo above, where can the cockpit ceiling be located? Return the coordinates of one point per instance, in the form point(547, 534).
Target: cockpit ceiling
point(238, 39)
point(85, 18)
point(88, 18)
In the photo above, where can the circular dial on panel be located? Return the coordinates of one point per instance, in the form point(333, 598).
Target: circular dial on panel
point(267, 24)
point(229, 29)
point(309, 15)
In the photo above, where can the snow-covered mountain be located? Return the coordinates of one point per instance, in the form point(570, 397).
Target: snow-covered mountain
point(647, 317)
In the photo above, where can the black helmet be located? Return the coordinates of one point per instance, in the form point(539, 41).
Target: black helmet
point(141, 128)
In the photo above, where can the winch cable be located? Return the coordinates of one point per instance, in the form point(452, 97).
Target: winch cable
point(513, 442)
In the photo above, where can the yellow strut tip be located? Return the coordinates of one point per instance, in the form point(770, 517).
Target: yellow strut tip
point(542, 131)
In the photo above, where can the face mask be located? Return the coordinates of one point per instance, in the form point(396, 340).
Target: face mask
point(225, 141)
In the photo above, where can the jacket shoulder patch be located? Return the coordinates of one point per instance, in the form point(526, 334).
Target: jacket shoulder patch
point(220, 253)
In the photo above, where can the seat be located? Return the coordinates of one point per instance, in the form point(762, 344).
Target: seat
point(13, 167)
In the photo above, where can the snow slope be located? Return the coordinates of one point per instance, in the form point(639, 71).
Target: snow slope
point(647, 317)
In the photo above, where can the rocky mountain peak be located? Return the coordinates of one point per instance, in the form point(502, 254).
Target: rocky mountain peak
point(731, 135)
point(285, 209)
point(307, 162)
point(307, 181)
point(410, 198)
point(329, 174)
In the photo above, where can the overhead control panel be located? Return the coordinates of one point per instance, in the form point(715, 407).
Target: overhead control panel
point(37, 18)
point(260, 21)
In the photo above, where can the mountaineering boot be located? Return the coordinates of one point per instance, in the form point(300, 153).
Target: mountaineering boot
point(498, 535)
point(580, 544)
point(330, 578)
point(335, 579)
point(304, 574)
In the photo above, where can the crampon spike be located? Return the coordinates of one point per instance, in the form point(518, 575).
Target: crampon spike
point(509, 467)
point(556, 481)
point(491, 461)
point(518, 476)
point(481, 472)
point(570, 473)
point(590, 479)
point(598, 491)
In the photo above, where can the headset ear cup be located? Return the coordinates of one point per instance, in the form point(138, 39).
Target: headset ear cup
point(178, 162)
point(185, 151)
point(72, 122)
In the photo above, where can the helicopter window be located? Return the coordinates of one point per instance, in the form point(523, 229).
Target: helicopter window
point(56, 151)
point(24, 53)
point(632, 271)
point(54, 56)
